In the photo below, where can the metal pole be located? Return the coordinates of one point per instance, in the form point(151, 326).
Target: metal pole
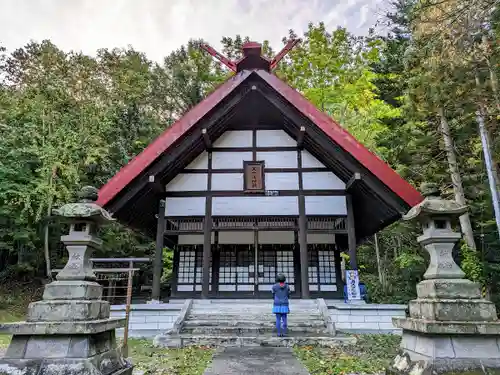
point(489, 168)
point(127, 308)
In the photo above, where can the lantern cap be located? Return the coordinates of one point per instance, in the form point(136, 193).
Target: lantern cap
point(86, 209)
point(434, 205)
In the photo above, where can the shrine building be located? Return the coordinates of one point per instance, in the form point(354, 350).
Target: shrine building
point(254, 181)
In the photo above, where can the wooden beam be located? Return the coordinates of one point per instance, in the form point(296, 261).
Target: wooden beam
point(158, 259)
point(304, 259)
point(300, 137)
point(155, 185)
point(351, 233)
point(355, 179)
point(207, 236)
point(206, 139)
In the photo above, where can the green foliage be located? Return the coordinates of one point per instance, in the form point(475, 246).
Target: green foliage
point(471, 264)
point(168, 262)
point(371, 354)
point(152, 360)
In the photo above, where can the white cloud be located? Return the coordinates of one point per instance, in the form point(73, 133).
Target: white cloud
point(159, 26)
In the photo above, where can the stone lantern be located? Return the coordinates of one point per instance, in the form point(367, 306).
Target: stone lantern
point(450, 327)
point(69, 331)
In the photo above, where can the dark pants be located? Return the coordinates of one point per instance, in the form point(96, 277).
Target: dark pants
point(281, 324)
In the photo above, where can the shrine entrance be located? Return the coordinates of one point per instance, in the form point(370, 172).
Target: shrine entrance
point(248, 253)
point(251, 270)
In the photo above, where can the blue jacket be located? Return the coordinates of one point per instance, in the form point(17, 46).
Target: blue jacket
point(281, 294)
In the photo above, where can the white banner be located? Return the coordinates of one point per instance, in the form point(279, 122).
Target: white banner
point(352, 283)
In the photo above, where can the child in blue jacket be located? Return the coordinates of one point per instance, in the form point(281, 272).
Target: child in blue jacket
point(281, 293)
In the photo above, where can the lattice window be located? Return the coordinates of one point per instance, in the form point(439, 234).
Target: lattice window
point(190, 271)
point(273, 261)
point(322, 274)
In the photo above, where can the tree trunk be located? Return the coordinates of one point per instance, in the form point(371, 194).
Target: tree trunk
point(456, 179)
point(379, 267)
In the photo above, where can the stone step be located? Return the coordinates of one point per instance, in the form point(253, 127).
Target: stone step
point(248, 323)
point(257, 318)
point(250, 331)
point(248, 308)
point(186, 340)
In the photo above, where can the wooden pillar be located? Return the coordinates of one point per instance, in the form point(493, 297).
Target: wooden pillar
point(351, 233)
point(207, 234)
point(304, 259)
point(158, 259)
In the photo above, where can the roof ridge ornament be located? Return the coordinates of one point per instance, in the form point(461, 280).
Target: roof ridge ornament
point(252, 56)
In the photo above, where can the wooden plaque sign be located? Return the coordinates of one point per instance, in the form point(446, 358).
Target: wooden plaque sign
point(253, 178)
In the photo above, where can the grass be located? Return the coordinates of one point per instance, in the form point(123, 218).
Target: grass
point(14, 304)
point(151, 360)
point(371, 355)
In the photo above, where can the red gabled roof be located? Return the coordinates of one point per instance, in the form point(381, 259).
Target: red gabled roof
point(138, 164)
point(331, 128)
point(345, 140)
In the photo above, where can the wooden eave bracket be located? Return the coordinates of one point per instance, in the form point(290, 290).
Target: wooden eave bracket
point(156, 185)
point(300, 137)
point(206, 139)
point(354, 180)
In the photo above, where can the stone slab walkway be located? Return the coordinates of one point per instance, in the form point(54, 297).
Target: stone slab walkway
point(255, 361)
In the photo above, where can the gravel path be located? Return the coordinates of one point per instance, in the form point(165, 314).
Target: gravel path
point(255, 361)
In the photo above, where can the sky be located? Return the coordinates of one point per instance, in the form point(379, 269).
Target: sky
point(158, 27)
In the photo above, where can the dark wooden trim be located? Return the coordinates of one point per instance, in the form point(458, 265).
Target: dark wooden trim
point(241, 170)
point(175, 272)
point(281, 229)
point(304, 268)
point(256, 262)
point(173, 158)
point(338, 269)
point(343, 162)
point(353, 181)
point(296, 263)
point(207, 235)
point(241, 193)
point(206, 138)
point(215, 265)
point(300, 137)
point(158, 259)
point(254, 144)
point(248, 126)
point(254, 149)
point(351, 233)
point(155, 185)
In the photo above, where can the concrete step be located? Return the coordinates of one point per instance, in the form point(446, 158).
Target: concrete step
point(186, 340)
point(250, 331)
point(257, 318)
point(248, 323)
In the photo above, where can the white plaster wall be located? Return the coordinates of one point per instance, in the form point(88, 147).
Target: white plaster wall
point(250, 206)
point(320, 238)
point(325, 205)
point(227, 181)
point(278, 159)
point(276, 237)
point(201, 162)
point(242, 238)
point(233, 160)
point(192, 239)
point(188, 182)
point(185, 206)
point(282, 181)
point(309, 161)
point(321, 181)
point(235, 138)
point(274, 138)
